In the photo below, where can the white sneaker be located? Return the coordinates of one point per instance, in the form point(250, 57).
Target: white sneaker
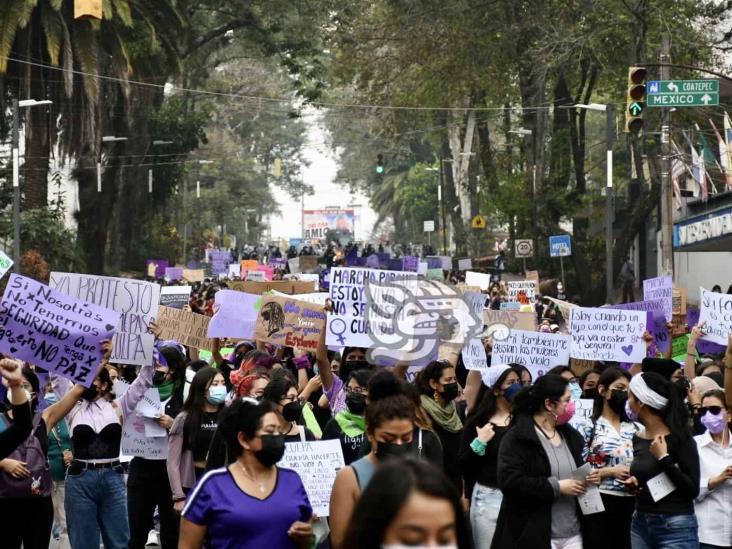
point(152, 538)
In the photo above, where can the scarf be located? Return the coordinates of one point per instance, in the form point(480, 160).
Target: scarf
point(166, 390)
point(446, 417)
point(351, 424)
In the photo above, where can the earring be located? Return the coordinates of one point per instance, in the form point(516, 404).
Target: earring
point(437, 397)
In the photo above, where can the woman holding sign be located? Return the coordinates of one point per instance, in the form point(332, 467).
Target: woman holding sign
point(252, 503)
point(665, 469)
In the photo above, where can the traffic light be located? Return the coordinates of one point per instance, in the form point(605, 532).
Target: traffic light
point(636, 99)
point(379, 163)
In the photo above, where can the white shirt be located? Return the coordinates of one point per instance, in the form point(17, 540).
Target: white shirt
point(713, 507)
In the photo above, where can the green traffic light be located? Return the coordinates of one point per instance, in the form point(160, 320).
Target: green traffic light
point(379, 169)
point(636, 108)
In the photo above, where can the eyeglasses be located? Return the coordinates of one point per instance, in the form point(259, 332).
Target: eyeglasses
point(356, 390)
point(286, 398)
point(714, 410)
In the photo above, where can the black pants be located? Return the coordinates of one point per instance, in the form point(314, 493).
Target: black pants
point(611, 528)
point(628, 292)
point(148, 487)
point(26, 521)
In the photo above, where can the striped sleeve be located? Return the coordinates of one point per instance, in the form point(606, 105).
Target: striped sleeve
point(198, 503)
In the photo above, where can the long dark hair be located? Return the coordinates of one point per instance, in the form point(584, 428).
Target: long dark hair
point(530, 400)
point(608, 376)
point(387, 493)
point(431, 372)
point(387, 400)
point(675, 415)
point(243, 416)
point(277, 388)
point(488, 405)
point(193, 406)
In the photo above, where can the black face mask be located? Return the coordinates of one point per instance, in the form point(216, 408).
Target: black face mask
point(292, 411)
point(90, 393)
point(273, 448)
point(158, 378)
point(450, 392)
point(590, 393)
point(390, 450)
point(617, 401)
point(356, 403)
point(349, 366)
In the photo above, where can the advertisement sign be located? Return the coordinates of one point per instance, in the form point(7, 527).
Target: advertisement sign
point(317, 223)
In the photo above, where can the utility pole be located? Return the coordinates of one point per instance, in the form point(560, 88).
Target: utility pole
point(16, 187)
point(442, 207)
point(667, 206)
point(609, 210)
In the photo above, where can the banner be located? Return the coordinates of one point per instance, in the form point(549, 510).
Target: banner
point(235, 314)
point(176, 297)
point(499, 324)
point(346, 324)
point(538, 351)
point(608, 334)
point(522, 291)
point(137, 301)
point(317, 223)
point(290, 322)
point(662, 288)
point(52, 330)
point(716, 313)
point(317, 464)
point(186, 327)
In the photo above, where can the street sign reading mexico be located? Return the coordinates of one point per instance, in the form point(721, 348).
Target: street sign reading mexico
point(683, 93)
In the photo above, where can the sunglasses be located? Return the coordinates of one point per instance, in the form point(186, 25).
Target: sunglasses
point(714, 410)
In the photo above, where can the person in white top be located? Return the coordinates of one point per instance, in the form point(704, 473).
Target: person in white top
point(715, 460)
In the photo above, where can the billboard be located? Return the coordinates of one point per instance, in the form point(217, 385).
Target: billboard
point(317, 223)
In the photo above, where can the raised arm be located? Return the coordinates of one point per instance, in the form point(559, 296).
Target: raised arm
point(321, 357)
point(128, 402)
point(19, 430)
point(690, 360)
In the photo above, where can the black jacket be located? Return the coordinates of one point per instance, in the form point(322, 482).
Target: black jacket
point(525, 518)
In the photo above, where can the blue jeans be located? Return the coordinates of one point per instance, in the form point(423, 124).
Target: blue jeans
point(484, 507)
point(96, 502)
point(649, 531)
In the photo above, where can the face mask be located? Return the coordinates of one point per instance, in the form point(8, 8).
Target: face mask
point(51, 398)
point(590, 393)
point(273, 448)
point(714, 424)
point(632, 415)
point(511, 391)
point(389, 450)
point(617, 401)
point(567, 414)
point(292, 411)
point(356, 403)
point(450, 392)
point(90, 393)
point(576, 390)
point(216, 395)
point(158, 378)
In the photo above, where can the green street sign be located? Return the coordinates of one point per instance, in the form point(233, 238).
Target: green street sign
point(635, 108)
point(683, 93)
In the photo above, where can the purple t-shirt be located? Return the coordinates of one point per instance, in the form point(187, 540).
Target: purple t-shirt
point(336, 396)
point(236, 520)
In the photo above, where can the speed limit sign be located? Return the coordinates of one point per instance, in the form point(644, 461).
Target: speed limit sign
point(524, 248)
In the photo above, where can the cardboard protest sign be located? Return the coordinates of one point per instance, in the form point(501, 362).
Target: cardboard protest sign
point(580, 366)
point(661, 288)
point(289, 287)
point(533, 275)
point(175, 296)
point(137, 301)
point(289, 322)
point(499, 324)
point(538, 351)
point(608, 334)
point(303, 264)
point(346, 324)
point(481, 280)
point(716, 313)
point(679, 301)
point(5, 263)
point(464, 264)
point(703, 346)
point(186, 327)
point(474, 356)
point(317, 464)
point(53, 330)
point(193, 275)
point(316, 298)
point(522, 291)
point(235, 314)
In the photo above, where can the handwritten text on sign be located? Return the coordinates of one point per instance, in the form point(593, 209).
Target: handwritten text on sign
point(317, 464)
point(290, 322)
point(608, 334)
point(716, 313)
point(538, 351)
point(522, 291)
point(53, 330)
point(185, 327)
point(661, 287)
point(136, 300)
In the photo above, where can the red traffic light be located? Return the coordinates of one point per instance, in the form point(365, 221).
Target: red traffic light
point(637, 75)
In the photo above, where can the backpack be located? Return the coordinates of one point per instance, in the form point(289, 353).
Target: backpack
point(39, 482)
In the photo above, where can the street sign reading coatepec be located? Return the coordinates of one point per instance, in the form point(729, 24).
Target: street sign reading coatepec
point(683, 93)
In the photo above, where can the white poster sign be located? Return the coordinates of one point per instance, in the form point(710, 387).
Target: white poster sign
point(716, 313)
point(608, 334)
point(538, 351)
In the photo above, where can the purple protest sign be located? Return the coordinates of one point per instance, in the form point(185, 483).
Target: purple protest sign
point(661, 336)
point(703, 346)
point(235, 314)
point(653, 305)
point(53, 330)
point(278, 263)
point(383, 259)
point(174, 273)
point(158, 269)
point(219, 260)
point(396, 264)
point(372, 261)
point(434, 263)
point(411, 263)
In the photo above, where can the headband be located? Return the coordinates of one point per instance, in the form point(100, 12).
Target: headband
point(645, 394)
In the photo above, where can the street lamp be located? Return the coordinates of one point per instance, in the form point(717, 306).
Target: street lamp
point(15, 144)
point(609, 111)
point(441, 204)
